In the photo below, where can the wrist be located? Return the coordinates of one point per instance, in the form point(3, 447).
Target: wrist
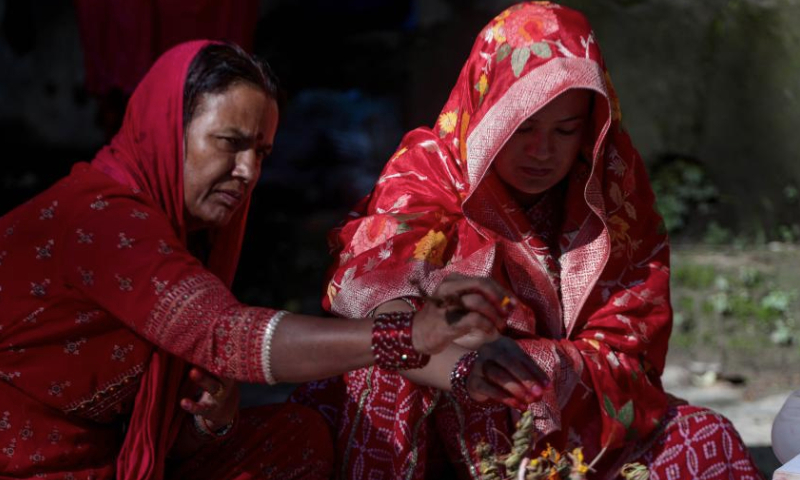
point(418, 340)
point(212, 430)
point(459, 377)
point(393, 342)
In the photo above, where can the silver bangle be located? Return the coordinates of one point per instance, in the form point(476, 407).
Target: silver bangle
point(267, 346)
point(201, 427)
point(409, 303)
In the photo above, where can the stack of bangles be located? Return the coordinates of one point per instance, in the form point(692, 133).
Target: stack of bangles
point(459, 376)
point(394, 350)
point(392, 343)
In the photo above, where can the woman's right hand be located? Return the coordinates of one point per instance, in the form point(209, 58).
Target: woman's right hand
point(459, 306)
point(504, 373)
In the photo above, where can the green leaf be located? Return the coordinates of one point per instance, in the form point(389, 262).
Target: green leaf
point(541, 50)
point(403, 228)
point(626, 414)
point(609, 407)
point(503, 51)
point(519, 57)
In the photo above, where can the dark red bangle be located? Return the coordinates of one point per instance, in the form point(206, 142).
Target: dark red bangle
point(392, 344)
point(458, 378)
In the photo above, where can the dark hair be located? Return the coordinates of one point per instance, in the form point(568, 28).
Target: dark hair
point(220, 65)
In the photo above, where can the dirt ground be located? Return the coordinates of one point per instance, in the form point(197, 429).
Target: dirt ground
point(735, 345)
point(737, 313)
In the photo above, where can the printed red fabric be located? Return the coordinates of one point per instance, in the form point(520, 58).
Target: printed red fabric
point(272, 442)
point(590, 263)
point(103, 303)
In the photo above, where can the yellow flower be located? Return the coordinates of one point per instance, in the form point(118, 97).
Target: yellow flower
point(499, 33)
point(619, 228)
point(398, 154)
point(503, 15)
point(462, 138)
point(332, 292)
point(431, 248)
point(578, 463)
point(551, 454)
point(447, 122)
point(482, 85)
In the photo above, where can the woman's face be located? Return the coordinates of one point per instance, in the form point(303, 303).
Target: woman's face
point(226, 140)
point(542, 150)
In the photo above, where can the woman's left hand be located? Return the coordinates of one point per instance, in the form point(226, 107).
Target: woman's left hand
point(503, 372)
point(218, 401)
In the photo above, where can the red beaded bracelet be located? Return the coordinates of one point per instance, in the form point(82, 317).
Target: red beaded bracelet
point(458, 378)
point(392, 343)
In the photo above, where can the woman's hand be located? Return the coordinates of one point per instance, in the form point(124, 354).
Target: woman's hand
point(459, 306)
point(476, 338)
point(218, 401)
point(503, 372)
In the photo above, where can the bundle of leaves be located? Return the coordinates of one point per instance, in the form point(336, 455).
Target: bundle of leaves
point(550, 464)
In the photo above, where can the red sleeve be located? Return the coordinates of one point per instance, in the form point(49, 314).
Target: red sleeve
point(122, 254)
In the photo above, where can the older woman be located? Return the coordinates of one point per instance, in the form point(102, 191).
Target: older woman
point(115, 279)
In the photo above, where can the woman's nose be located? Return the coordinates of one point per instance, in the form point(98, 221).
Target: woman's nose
point(247, 166)
point(538, 145)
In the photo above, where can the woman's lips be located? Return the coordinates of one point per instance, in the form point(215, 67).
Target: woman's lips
point(535, 172)
point(231, 198)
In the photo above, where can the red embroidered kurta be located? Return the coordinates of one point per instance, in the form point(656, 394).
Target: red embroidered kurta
point(590, 262)
point(102, 303)
point(93, 279)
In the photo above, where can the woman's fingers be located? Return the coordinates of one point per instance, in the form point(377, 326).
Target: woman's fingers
point(500, 377)
point(522, 366)
point(505, 373)
point(193, 407)
point(477, 303)
point(481, 390)
point(206, 381)
point(518, 364)
point(455, 285)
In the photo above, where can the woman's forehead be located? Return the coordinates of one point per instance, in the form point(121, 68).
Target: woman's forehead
point(570, 105)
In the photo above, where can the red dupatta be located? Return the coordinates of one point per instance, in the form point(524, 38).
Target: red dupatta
point(147, 155)
point(438, 208)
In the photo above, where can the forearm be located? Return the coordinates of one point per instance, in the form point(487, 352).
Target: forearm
point(436, 373)
point(305, 348)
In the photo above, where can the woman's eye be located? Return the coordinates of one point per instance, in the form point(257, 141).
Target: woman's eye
point(564, 131)
point(230, 143)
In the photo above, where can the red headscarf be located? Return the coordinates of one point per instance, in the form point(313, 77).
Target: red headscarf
point(595, 313)
point(147, 154)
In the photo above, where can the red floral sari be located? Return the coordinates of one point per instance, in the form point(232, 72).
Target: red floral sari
point(102, 304)
point(589, 262)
